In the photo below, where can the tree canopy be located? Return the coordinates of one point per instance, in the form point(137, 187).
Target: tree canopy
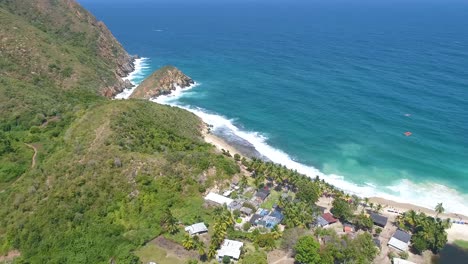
point(307, 250)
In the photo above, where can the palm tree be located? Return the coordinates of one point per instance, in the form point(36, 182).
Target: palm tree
point(170, 222)
point(188, 242)
point(439, 209)
point(211, 251)
point(366, 200)
point(378, 208)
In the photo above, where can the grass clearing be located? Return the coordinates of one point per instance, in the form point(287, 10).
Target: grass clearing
point(272, 199)
point(156, 254)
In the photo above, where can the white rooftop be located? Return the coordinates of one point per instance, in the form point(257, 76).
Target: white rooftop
point(401, 261)
point(230, 248)
point(196, 228)
point(227, 193)
point(398, 244)
point(219, 199)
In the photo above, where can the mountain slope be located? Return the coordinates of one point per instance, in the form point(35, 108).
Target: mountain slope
point(103, 190)
point(105, 172)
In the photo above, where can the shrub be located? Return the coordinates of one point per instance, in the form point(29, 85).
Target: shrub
point(403, 255)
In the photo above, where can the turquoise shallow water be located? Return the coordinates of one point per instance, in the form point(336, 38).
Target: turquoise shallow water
point(325, 86)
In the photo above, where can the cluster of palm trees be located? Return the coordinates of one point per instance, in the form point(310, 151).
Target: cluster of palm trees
point(282, 176)
point(194, 242)
point(223, 221)
point(428, 232)
point(296, 214)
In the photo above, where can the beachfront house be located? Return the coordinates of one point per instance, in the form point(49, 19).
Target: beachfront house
point(379, 220)
point(400, 240)
point(195, 229)
point(230, 248)
point(218, 199)
point(325, 220)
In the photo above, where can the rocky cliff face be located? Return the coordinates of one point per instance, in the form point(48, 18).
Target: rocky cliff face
point(77, 40)
point(160, 82)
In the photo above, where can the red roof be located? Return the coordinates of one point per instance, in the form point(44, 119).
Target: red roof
point(329, 217)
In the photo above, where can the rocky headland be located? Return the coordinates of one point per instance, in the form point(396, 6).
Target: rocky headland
point(161, 82)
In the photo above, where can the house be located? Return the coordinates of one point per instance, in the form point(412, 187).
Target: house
point(401, 261)
point(271, 220)
point(348, 228)
point(235, 205)
point(329, 218)
point(230, 248)
point(254, 219)
point(261, 195)
point(320, 221)
point(198, 228)
point(379, 220)
point(227, 193)
point(218, 199)
point(325, 220)
point(262, 212)
point(246, 211)
point(400, 240)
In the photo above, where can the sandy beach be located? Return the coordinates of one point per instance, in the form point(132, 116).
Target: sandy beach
point(220, 144)
point(389, 208)
point(456, 231)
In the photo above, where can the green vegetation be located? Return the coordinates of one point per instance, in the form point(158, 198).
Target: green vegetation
point(461, 243)
point(152, 252)
point(101, 185)
point(428, 232)
point(256, 257)
point(342, 209)
point(307, 250)
point(84, 179)
point(361, 249)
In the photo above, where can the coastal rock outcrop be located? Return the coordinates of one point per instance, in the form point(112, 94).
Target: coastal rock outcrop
point(163, 81)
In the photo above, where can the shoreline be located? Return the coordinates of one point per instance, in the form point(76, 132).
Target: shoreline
point(220, 143)
point(390, 208)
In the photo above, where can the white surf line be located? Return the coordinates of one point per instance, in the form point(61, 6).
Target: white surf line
point(421, 194)
point(141, 65)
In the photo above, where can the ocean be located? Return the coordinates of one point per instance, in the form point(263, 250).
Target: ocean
point(328, 88)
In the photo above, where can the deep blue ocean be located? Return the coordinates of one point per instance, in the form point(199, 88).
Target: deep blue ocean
point(328, 88)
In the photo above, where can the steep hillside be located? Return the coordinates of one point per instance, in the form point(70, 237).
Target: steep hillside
point(104, 188)
point(56, 52)
point(84, 179)
point(70, 27)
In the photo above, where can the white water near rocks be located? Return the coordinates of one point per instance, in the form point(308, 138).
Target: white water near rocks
point(135, 77)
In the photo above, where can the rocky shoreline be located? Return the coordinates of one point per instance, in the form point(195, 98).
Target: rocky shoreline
point(125, 66)
point(162, 82)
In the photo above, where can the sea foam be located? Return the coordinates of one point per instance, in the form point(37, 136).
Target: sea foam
point(135, 77)
point(403, 190)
